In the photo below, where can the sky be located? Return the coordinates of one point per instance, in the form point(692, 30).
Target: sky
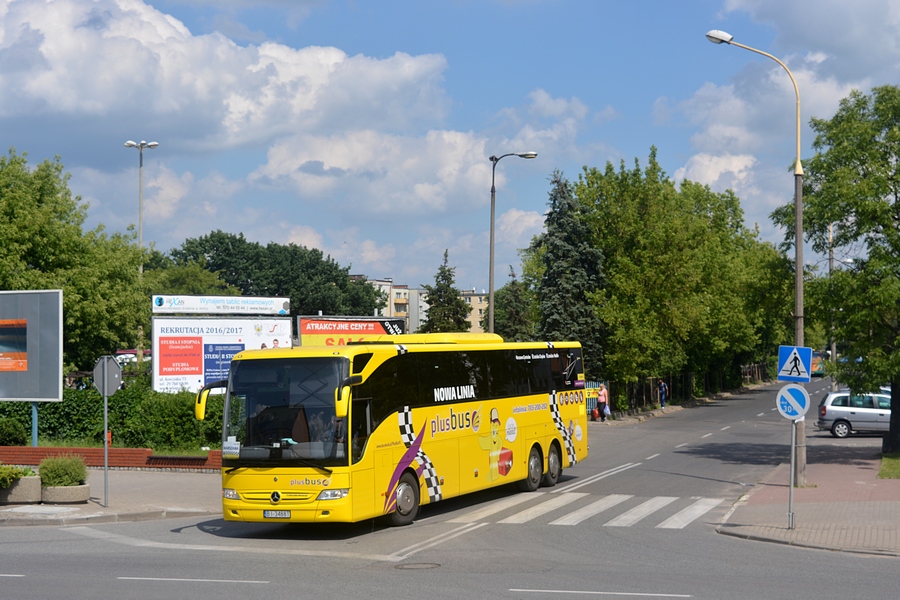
point(365, 128)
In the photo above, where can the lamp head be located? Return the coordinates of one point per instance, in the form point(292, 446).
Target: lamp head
point(526, 154)
point(719, 37)
point(130, 144)
point(153, 144)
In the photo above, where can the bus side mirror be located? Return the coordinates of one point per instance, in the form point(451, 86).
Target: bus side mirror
point(203, 396)
point(342, 396)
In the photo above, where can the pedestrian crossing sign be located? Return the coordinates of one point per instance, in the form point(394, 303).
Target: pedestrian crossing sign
point(794, 363)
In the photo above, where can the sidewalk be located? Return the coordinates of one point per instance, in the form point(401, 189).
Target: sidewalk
point(133, 496)
point(844, 507)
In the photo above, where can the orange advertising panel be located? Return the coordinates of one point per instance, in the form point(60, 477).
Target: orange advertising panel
point(180, 355)
point(339, 332)
point(13, 345)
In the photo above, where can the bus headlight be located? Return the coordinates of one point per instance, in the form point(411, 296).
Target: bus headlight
point(333, 494)
point(230, 494)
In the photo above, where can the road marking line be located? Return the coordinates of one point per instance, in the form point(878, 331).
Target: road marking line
point(681, 519)
point(128, 541)
point(410, 550)
point(543, 508)
point(761, 415)
point(490, 509)
point(593, 593)
point(574, 518)
point(629, 518)
point(680, 445)
point(583, 482)
point(190, 580)
point(10, 575)
point(653, 456)
point(726, 427)
point(705, 436)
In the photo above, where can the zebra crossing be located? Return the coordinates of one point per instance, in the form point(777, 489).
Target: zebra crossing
point(580, 507)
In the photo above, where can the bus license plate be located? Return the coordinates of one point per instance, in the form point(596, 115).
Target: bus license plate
point(276, 514)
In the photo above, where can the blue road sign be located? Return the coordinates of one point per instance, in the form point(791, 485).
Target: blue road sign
point(794, 363)
point(793, 401)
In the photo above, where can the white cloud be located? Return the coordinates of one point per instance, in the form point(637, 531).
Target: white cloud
point(164, 192)
point(124, 57)
point(720, 173)
point(515, 227)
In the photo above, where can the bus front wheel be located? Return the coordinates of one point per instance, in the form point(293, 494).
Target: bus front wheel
point(535, 471)
point(407, 500)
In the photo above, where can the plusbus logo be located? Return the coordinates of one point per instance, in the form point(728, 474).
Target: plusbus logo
point(324, 482)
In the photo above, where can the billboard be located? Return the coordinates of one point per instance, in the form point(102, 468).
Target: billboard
point(220, 305)
point(188, 353)
point(338, 331)
point(31, 345)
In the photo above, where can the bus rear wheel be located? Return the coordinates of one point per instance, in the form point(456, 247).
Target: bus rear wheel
point(407, 501)
point(554, 467)
point(535, 470)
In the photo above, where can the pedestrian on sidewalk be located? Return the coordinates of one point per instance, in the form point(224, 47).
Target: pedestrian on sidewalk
point(603, 403)
point(663, 394)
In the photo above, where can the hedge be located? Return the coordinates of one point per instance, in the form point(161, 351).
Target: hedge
point(138, 418)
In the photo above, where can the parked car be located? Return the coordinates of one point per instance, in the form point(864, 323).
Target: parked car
point(844, 413)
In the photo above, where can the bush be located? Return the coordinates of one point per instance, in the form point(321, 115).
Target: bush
point(62, 471)
point(12, 433)
point(9, 475)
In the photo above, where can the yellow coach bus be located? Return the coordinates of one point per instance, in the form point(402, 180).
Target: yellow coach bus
point(380, 427)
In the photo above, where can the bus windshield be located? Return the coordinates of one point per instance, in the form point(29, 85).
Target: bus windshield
point(280, 412)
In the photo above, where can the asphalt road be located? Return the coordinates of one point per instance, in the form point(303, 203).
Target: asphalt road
point(636, 519)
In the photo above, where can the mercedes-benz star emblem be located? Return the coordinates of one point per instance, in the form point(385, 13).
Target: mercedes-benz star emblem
point(276, 497)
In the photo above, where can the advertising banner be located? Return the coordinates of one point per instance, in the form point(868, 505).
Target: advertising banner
point(220, 305)
point(338, 331)
point(188, 353)
point(31, 345)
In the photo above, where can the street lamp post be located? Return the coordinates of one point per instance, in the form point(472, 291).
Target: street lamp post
point(140, 146)
point(798, 472)
point(494, 160)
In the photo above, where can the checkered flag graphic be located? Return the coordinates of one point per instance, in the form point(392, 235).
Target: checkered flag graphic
point(407, 433)
point(426, 467)
point(563, 430)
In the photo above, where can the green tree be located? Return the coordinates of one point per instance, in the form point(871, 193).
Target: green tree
point(679, 267)
point(45, 247)
point(853, 182)
point(512, 304)
point(163, 276)
point(447, 311)
point(314, 282)
point(572, 273)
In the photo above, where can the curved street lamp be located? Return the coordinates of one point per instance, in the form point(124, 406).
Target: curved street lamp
point(798, 471)
point(140, 146)
point(494, 160)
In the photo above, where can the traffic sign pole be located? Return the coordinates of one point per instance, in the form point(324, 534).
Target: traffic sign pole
point(792, 402)
point(107, 379)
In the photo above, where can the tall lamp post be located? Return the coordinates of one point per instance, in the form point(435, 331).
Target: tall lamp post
point(140, 146)
point(799, 472)
point(494, 160)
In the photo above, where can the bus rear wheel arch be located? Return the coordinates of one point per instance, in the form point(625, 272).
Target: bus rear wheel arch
point(407, 495)
point(534, 470)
